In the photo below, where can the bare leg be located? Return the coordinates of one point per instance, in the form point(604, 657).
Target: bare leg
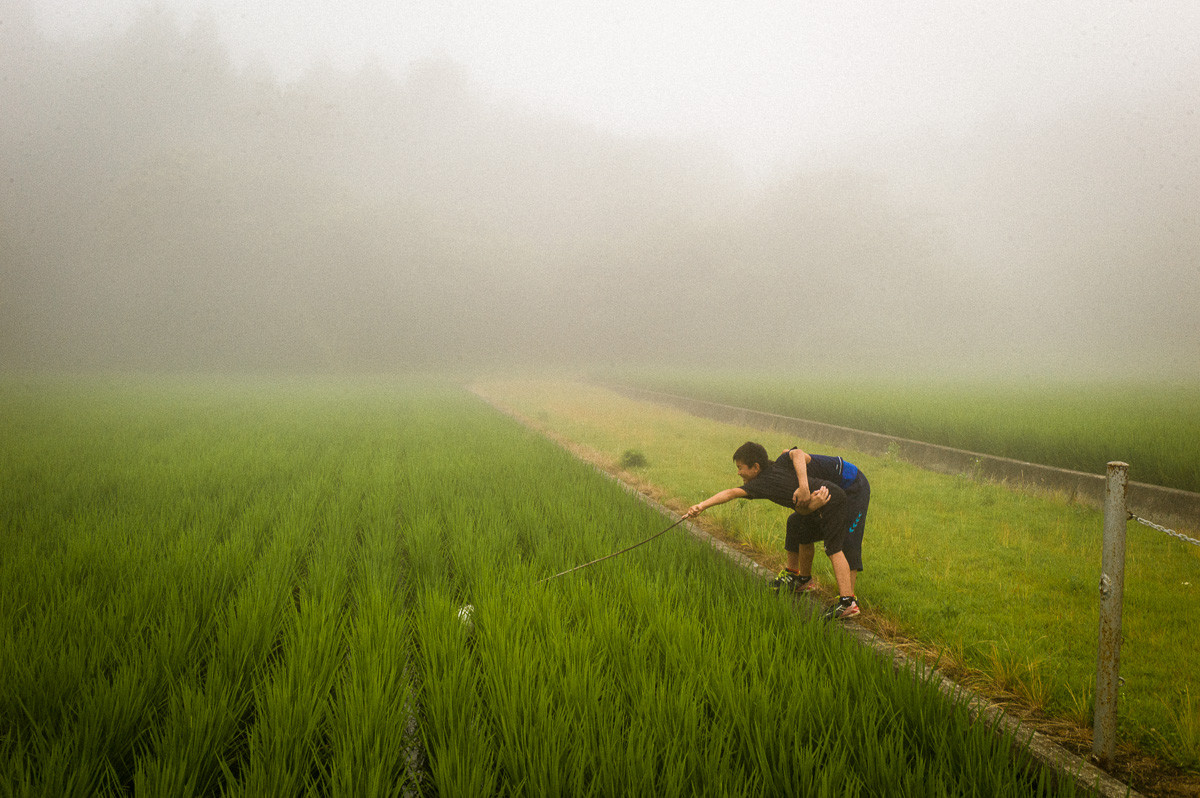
point(801, 561)
point(842, 573)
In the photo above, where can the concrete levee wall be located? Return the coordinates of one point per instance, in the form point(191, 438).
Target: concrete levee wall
point(1165, 506)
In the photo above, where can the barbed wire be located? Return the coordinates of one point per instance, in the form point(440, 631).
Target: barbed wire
point(1170, 532)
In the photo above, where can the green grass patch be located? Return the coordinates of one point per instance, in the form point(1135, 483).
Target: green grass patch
point(1003, 580)
point(1077, 425)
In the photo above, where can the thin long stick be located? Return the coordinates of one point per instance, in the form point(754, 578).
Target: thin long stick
point(615, 553)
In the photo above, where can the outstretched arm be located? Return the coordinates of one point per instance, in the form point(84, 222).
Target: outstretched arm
point(727, 495)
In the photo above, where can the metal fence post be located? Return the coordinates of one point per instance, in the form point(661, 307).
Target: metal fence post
point(1112, 586)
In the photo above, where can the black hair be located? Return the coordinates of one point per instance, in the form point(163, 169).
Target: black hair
point(751, 453)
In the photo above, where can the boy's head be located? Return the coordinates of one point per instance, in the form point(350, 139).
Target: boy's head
point(751, 460)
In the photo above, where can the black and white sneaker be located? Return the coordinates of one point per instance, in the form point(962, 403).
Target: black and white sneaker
point(792, 582)
point(846, 607)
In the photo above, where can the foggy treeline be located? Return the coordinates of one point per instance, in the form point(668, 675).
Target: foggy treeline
point(164, 209)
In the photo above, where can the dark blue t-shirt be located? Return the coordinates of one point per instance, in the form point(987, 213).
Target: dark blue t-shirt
point(831, 469)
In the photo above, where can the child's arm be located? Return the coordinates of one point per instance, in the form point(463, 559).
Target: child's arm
point(815, 501)
point(826, 493)
point(800, 463)
point(727, 495)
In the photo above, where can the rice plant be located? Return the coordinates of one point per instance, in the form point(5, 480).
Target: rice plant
point(281, 615)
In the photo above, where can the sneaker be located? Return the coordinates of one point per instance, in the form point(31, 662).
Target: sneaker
point(792, 582)
point(845, 607)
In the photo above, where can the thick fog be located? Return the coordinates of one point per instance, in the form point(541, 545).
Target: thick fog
point(172, 198)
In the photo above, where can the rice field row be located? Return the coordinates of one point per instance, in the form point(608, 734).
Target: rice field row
point(1075, 425)
point(252, 588)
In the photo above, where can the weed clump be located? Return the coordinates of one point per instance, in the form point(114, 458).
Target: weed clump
point(632, 458)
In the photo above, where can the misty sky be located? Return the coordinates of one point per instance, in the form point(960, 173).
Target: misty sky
point(210, 184)
point(771, 82)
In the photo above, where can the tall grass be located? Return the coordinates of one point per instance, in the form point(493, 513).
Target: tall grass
point(664, 672)
point(156, 597)
point(253, 589)
point(672, 674)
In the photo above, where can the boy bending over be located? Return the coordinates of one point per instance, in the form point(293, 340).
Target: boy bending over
point(828, 498)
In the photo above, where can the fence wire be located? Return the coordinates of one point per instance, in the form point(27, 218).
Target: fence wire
point(1170, 532)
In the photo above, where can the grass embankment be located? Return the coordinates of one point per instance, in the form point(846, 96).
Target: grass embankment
point(1081, 426)
point(1000, 581)
point(247, 588)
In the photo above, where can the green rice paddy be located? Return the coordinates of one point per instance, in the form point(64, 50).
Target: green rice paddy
point(247, 587)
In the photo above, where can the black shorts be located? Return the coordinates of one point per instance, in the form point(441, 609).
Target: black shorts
point(840, 527)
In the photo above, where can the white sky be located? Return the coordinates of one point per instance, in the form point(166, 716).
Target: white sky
point(761, 79)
